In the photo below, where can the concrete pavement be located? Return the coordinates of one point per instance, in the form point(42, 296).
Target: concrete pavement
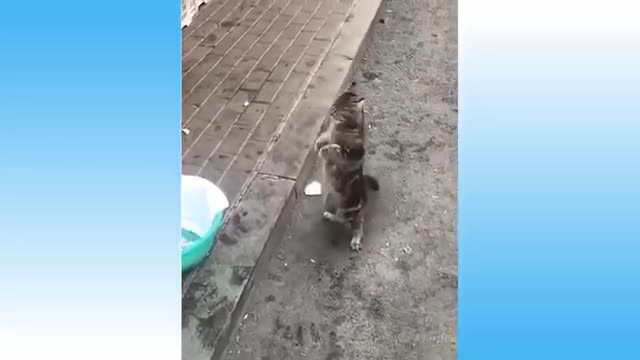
point(259, 77)
point(397, 299)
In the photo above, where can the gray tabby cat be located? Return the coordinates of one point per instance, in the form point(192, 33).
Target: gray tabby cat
point(342, 150)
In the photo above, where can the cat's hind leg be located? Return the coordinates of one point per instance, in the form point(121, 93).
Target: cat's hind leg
point(357, 229)
point(335, 214)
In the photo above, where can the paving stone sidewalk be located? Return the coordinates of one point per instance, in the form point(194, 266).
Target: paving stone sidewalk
point(245, 65)
point(258, 80)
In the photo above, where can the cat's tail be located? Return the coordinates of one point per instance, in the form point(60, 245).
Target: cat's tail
point(372, 182)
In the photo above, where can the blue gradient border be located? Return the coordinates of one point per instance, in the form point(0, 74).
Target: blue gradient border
point(549, 137)
point(90, 164)
point(548, 197)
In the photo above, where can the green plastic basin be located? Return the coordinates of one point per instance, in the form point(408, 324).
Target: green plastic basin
point(202, 206)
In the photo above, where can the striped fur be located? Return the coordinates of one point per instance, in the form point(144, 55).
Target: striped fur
point(342, 148)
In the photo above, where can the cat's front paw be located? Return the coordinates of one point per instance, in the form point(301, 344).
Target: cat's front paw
point(328, 150)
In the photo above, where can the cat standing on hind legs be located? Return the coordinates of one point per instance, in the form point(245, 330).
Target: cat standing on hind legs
point(342, 150)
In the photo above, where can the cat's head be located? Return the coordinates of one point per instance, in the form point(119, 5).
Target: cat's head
point(350, 100)
point(349, 108)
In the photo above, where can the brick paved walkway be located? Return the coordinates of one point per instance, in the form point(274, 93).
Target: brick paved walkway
point(246, 63)
point(259, 78)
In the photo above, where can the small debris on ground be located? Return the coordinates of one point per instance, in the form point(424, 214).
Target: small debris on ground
point(245, 104)
point(312, 260)
point(313, 189)
point(186, 131)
